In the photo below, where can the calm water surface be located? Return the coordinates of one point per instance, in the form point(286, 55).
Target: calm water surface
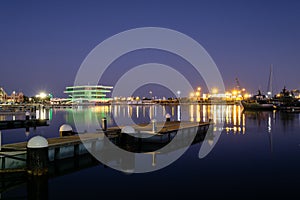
point(256, 156)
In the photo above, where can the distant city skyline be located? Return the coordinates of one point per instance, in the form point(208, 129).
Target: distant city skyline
point(44, 43)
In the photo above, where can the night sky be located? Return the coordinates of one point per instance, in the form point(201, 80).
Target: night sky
point(42, 44)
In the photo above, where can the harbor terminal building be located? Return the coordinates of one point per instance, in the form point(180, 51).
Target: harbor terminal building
point(89, 93)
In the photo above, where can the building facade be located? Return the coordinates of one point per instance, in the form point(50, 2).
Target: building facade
point(88, 93)
point(13, 98)
point(3, 95)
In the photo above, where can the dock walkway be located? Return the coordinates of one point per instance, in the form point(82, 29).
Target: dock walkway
point(71, 146)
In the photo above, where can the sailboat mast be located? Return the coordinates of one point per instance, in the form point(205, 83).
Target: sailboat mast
point(270, 83)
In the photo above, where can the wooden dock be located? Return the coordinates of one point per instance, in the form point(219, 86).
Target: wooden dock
point(164, 128)
point(72, 146)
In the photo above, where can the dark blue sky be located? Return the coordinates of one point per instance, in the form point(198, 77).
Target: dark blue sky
point(42, 44)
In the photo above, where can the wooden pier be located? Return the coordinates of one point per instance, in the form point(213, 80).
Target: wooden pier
point(72, 146)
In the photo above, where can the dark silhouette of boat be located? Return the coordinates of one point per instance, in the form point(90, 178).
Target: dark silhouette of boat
point(258, 102)
point(286, 101)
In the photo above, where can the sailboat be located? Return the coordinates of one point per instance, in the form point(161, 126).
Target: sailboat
point(260, 101)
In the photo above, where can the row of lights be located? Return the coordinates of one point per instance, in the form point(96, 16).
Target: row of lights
point(232, 95)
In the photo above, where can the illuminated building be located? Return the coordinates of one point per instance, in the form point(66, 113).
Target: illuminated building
point(13, 98)
point(88, 93)
point(2, 95)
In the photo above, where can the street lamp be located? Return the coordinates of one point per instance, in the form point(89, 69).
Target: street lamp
point(198, 93)
point(150, 92)
point(178, 94)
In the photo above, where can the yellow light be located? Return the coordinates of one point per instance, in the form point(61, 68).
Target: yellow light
point(192, 94)
point(199, 88)
point(247, 96)
point(234, 92)
point(215, 90)
point(197, 94)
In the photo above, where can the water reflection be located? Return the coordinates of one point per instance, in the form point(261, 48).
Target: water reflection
point(233, 117)
point(255, 129)
point(40, 113)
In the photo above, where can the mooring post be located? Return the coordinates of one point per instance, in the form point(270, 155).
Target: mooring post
point(104, 124)
point(27, 115)
point(65, 130)
point(37, 156)
point(168, 117)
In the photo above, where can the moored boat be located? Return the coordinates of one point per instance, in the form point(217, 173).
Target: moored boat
point(257, 105)
point(286, 101)
point(258, 102)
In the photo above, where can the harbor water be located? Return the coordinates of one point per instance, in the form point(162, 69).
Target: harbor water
point(256, 155)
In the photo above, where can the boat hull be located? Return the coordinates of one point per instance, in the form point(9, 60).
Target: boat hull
point(257, 106)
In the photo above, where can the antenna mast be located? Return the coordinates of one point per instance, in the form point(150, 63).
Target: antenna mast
point(238, 85)
point(270, 83)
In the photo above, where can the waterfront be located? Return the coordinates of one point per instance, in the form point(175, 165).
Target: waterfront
point(256, 156)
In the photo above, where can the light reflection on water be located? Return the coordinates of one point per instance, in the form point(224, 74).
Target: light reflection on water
point(235, 120)
point(230, 115)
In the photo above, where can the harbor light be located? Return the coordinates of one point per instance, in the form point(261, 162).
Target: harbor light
point(214, 90)
point(246, 96)
point(41, 95)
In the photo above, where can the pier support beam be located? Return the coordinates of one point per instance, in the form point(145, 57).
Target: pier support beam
point(37, 187)
point(154, 127)
point(37, 156)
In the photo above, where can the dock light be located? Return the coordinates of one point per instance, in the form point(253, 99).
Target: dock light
point(191, 94)
point(199, 88)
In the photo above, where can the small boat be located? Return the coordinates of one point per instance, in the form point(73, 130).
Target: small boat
point(258, 102)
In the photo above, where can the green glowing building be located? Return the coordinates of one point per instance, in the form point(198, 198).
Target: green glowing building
point(89, 93)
